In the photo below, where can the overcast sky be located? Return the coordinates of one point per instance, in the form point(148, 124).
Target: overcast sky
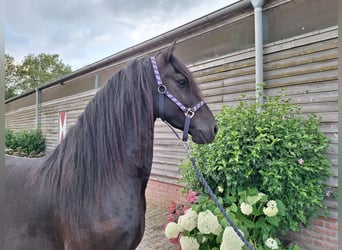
point(85, 31)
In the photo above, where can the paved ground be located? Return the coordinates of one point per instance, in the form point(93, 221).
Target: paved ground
point(154, 237)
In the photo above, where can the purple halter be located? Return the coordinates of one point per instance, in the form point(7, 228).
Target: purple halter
point(162, 90)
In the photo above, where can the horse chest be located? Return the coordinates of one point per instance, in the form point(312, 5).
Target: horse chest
point(118, 225)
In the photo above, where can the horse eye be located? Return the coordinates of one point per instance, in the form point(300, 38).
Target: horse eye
point(182, 82)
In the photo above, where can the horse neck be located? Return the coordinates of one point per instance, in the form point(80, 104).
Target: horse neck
point(97, 151)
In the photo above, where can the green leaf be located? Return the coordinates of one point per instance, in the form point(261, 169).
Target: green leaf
point(281, 207)
point(251, 200)
point(249, 224)
point(224, 223)
point(200, 238)
point(301, 218)
point(274, 220)
point(233, 208)
point(202, 199)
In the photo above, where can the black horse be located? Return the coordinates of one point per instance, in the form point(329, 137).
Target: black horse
point(89, 193)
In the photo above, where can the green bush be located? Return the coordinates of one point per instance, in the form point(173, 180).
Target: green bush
point(25, 142)
point(279, 152)
point(9, 138)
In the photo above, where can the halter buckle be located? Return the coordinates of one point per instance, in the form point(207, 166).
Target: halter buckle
point(162, 89)
point(189, 113)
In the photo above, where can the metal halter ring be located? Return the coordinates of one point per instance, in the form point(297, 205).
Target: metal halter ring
point(189, 113)
point(162, 89)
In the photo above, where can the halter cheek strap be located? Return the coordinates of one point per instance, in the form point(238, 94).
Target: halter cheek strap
point(162, 90)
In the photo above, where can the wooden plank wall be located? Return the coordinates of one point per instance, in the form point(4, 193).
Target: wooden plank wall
point(306, 66)
point(23, 118)
point(49, 111)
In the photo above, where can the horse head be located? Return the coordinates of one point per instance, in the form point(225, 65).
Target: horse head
point(177, 98)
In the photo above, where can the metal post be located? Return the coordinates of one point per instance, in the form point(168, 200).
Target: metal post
point(97, 80)
point(259, 71)
point(37, 108)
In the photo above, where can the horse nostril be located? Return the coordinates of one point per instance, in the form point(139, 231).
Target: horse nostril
point(215, 129)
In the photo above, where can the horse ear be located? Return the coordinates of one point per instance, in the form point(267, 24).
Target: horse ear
point(170, 50)
point(167, 53)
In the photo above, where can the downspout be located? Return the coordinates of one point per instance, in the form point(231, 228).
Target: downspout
point(259, 71)
point(37, 108)
point(96, 84)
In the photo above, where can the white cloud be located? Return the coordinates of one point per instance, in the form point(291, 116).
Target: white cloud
point(82, 32)
point(104, 38)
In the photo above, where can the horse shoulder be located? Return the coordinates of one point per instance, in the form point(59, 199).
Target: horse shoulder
point(27, 217)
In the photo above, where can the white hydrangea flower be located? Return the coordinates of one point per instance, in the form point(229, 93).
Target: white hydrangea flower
point(220, 189)
point(172, 230)
point(230, 240)
point(271, 243)
point(270, 212)
point(271, 209)
point(272, 204)
point(188, 221)
point(246, 208)
point(208, 223)
point(189, 243)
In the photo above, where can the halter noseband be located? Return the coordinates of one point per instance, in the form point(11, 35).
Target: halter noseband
point(162, 90)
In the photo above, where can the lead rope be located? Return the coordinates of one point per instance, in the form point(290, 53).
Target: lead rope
point(210, 191)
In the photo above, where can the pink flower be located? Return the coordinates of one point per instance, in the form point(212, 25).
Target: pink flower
point(174, 240)
point(192, 196)
point(172, 217)
point(301, 161)
point(172, 207)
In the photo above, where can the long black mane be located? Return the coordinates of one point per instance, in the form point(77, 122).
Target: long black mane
point(90, 158)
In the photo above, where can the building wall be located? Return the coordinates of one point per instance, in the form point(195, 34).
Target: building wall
point(23, 118)
point(321, 235)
